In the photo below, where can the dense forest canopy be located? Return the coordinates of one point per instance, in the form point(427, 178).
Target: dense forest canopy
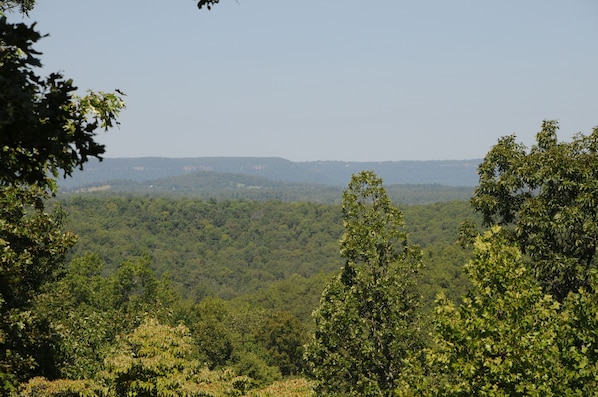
point(231, 248)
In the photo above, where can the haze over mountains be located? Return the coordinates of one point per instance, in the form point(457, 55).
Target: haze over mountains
point(331, 173)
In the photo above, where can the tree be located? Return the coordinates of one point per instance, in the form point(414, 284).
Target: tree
point(213, 338)
point(509, 338)
point(547, 200)
point(366, 324)
point(501, 340)
point(32, 247)
point(154, 361)
point(44, 129)
point(86, 310)
point(207, 3)
point(23, 6)
point(284, 336)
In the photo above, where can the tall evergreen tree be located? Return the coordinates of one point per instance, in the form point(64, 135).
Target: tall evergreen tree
point(366, 324)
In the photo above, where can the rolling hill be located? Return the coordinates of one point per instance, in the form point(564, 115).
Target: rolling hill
point(333, 173)
point(408, 182)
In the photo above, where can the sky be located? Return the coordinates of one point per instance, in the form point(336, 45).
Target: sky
point(329, 80)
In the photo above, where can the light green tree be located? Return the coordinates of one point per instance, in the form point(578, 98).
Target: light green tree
point(509, 338)
point(367, 333)
point(154, 360)
point(501, 340)
point(546, 197)
point(528, 325)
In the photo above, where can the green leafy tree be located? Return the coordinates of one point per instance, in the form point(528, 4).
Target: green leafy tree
point(366, 325)
point(154, 360)
point(283, 336)
point(213, 338)
point(501, 341)
point(578, 339)
point(44, 129)
point(150, 361)
point(207, 3)
point(509, 338)
point(546, 198)
point(32, 248)
point(87, 310)
point(23, 6)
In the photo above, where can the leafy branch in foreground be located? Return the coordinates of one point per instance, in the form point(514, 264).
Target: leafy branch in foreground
point(44, 127)
point(207, 3)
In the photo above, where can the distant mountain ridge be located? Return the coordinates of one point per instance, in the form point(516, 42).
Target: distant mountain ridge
point(331, 173)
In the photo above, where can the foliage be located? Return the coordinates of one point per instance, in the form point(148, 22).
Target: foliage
point(283, 336)
point(578, 339)
point(44, 127)
point(185, 233)
point(435, 228)
point(256, 369)
point(498, 340)
point(32, 244)
point(222, 384)
point(366, 324)
point(210, 248)
point(549, 194)
point(23, 6)
point(509, 338)
point(213, 338)
point(207, 3)
point(87, 310)
point(262, 344)
point(153, 361)
point(41, 387)
point(272, 254)
point(292, 387)
point(32, 250)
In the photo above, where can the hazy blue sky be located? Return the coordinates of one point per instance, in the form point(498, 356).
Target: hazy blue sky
point(331, 79)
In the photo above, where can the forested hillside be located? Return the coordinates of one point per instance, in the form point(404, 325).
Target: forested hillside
point(273, 253)
point(242, 297)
